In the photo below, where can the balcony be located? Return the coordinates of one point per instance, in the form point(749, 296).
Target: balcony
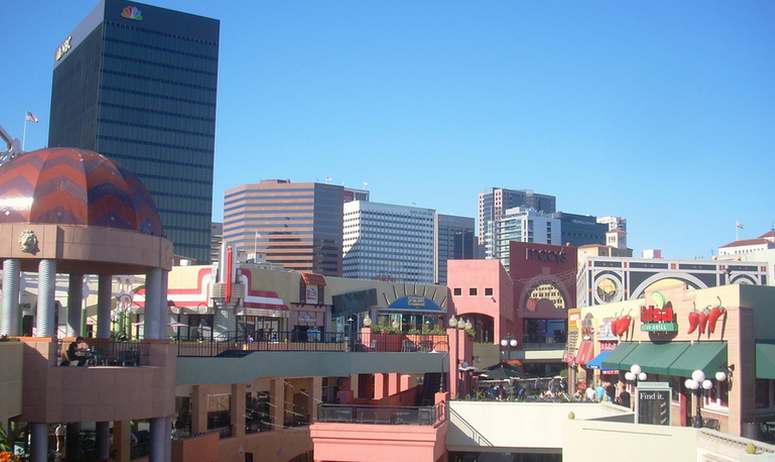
point(383, 415)
point(141, 373)
point(362, 342)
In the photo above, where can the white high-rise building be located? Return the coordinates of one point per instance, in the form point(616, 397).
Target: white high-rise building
point(386, 241)
point(616, 236)
point(523, 225)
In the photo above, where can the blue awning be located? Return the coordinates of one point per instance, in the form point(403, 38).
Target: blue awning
point(597, 361)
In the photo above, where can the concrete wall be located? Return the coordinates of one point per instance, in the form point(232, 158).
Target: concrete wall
point(648, 443)
point(10, 381)
point(487, 426)
point(482, 274)
point(194, 371)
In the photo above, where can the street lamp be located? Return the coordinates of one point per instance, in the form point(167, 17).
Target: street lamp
point(699, 385)
point(452, 321)
point(635, 375)
point(508, 344)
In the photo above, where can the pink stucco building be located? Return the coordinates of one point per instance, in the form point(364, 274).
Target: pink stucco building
point(483, 293)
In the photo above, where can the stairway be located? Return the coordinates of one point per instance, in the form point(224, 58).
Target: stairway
point(431, 384)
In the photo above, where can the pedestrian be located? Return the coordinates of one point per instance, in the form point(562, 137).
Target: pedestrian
point(59, 433)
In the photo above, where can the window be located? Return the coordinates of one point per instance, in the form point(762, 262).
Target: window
point(763, 400)
point(457, 291)
point(718, 396)
point(472, 291)
point(488, 291)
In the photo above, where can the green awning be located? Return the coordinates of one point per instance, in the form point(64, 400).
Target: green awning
point(618, 355)
point(707, 356)
point(765, 361)
point(654, 358)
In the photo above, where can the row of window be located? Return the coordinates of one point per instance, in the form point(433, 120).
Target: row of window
point(156, 101)
point(132, 115)
point(159, 71)
point(473, 291)
point(138, 34)
point(149, 86)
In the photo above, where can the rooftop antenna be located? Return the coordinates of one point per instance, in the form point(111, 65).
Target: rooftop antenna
point(366, 186)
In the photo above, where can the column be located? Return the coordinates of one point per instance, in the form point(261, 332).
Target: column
point(316, 397)
point(380, 386)
point(74, 303)
point(168, 439)
point(104, 294)
point(9, 322)
point(102, 435)
point(277, 401)
point(151, 313)
point(121, 440)
point(158, 445)
point(198, 409)
point(393, 384)
point(39, 448)
point(354, 385)
point(237, 409)
point(164, 310)
point(73, 442)
point(406, 382)
point(44, 323)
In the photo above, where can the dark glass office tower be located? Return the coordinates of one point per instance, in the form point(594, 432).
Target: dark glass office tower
point(138, 84)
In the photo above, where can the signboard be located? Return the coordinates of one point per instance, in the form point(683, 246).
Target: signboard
point(552, 256)
point(604, 332)
point(653, 319)
point(652, 404)
point(63, 48)
point(311, 295)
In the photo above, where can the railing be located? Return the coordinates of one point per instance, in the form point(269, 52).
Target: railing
point(323, 341)
point(383, 415)
point(105, 352)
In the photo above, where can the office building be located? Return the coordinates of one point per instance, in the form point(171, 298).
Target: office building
point(761, 249)
point(353, 194)
point(296, 225)
point(138, 83)
point(453, 239)
point(616, 236)
point(523, 225)
point(216, 239)
point(386, 241)
point(581, 229)
point(492, 204)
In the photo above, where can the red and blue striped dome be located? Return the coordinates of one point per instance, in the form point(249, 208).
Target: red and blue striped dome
point(75, 187)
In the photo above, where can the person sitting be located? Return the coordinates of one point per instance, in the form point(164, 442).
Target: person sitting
point(77, 353)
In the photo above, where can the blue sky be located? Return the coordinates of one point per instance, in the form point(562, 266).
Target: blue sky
point(658, 111)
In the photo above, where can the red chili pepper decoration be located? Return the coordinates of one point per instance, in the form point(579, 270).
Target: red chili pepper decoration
point(703, 320)
point(694, 321)
point(715, 314)
point(626, 323)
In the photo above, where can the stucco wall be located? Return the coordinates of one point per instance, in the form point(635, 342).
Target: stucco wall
point(10, 380)
point(479, 424)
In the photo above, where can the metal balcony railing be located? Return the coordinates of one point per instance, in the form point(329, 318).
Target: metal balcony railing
point(382, 415)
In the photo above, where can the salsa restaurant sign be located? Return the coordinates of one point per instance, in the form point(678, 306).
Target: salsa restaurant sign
point(653, 319)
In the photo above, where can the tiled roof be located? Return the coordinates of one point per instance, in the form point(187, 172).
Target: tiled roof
point(745, 242)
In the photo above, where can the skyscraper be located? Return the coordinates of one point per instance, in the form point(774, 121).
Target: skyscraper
point(580, 230)
point(453, 239)
point(296, 225)
point(492, 203)
point(138, 84)
point(386, 241)
point(520, 224)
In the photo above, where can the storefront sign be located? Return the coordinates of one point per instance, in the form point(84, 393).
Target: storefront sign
point(574, 315)
point(605, 333)
point(551, 256)
point(307, 317)
point(63, 48)
point(652, 404)
point(311, 296)
point(653, 319)
point(132, 12)
point(415, 301)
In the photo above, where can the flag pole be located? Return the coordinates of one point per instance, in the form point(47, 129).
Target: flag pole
point(24, 132)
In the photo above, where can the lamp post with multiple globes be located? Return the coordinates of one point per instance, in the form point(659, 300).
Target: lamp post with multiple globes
point(698, 384)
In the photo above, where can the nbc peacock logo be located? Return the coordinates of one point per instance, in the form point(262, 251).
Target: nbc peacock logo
point(132, 12)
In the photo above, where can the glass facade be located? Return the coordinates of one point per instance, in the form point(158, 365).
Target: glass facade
point(454, 240)
point(143, 92)
point(296, 225)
